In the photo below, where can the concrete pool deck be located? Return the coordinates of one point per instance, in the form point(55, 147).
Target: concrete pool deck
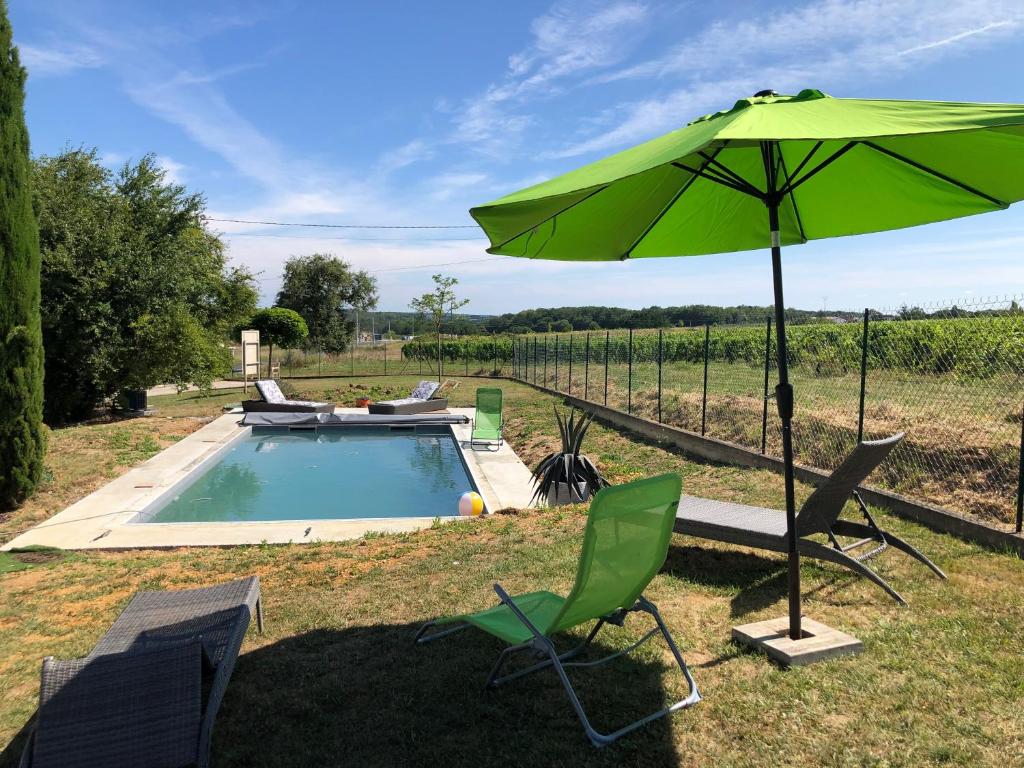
point(102, 520)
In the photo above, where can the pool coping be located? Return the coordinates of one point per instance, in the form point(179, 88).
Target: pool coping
point(102, 520)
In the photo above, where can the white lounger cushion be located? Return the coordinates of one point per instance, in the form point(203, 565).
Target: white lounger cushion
point(424, 391)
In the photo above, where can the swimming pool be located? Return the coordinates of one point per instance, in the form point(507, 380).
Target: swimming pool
point(324, 473)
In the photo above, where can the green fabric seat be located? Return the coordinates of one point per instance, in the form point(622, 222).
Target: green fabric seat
point(487, 421)
point(624, 546)
point(541, 608)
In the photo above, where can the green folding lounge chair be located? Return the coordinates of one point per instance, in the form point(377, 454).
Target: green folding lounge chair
point(487, 422)
point(624, 546)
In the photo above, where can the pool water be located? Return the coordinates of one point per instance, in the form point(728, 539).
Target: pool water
point(324, 474)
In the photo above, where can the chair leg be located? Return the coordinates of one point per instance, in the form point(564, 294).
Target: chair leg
point(492, 679)
point(421, 637)
point(820, 552)
point(914, 552)
point(597, 738)
point(850, 528)
point(567, 656)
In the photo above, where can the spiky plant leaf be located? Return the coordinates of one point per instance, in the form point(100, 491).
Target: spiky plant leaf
point(568, 465)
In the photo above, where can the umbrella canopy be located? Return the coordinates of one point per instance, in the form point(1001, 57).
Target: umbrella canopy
point(845, 166)
point(773, 170)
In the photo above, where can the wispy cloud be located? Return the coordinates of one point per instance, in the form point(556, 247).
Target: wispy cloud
point(567, 42)
point(414, 151)
point(1006, 24)
point(174, 171)
point(838, 41)
point(162, 70)
point(58, 58)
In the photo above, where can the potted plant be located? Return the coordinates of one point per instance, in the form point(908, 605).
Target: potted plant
point(566, 476)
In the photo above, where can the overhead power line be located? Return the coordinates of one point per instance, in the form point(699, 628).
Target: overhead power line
point(409, 269)
point(345, 226)
point(349, 238)
point(441, 264)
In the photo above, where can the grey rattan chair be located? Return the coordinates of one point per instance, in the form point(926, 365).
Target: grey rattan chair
point(188, 633)
point(763, 528)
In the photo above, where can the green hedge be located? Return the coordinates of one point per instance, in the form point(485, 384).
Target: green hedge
point(970, 347)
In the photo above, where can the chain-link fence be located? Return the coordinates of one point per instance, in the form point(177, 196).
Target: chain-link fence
point(949, 376)
point(475, 356)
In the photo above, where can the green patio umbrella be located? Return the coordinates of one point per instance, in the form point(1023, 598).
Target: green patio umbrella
point(773, 170)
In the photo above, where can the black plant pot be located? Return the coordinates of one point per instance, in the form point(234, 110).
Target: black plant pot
point(563, 495)
point(136, 399)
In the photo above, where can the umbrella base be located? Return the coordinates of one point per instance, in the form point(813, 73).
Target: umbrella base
point(819, 642)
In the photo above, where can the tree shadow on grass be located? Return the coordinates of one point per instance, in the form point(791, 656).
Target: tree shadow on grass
point(369, 696)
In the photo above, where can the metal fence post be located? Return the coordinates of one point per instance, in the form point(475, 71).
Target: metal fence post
point(1020, 478)
point(586, 370)
point(764, 395)
point(570, 366)
point(494, 371)
point(385, 357)
point(465, 353)
point(352, 359)
point(545, 382)
point(863, 376)
point(704, 396)
point(556, 363)
point(659, 373)
point(607, 337)
point(629, 381)
point(534, 359)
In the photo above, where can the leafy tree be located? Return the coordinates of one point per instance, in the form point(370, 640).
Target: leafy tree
point(561, 326)
point(125, 257)
point(435, 305)
point(280, 326)
point(173, 348)
point(323, 288)
point(22, 440)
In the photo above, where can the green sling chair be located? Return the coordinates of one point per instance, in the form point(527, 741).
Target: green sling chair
point(624, 546)
point(487, 422)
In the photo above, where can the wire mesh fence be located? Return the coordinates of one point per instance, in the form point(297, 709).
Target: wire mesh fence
point(949, 376)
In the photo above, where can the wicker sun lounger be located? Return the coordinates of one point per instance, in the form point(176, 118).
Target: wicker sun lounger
point(421, 400)
point(149, 691)
point(766, 528)
point(274, 401)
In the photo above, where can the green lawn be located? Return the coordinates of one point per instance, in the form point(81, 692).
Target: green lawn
point(336, 680)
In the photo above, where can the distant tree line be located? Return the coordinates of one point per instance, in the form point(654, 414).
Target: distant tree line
point(564, 319)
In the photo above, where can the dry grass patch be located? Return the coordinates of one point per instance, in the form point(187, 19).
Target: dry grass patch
point(336, 680)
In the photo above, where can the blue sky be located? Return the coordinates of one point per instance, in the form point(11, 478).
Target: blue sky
point(409, 113)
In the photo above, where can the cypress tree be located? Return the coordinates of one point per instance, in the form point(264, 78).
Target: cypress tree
point(22, 440)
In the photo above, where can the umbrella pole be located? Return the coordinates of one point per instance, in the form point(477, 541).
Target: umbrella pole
point(784, 399)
